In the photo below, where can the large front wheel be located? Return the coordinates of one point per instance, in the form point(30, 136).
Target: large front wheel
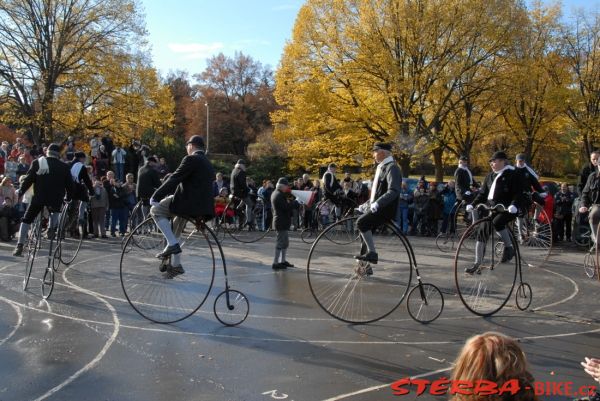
point(483, 282)
point(355, 291)
point(149, 283)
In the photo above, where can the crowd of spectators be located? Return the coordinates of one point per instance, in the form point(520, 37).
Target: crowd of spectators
point(112, 168)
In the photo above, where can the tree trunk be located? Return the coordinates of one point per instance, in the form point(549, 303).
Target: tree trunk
point(438, 163)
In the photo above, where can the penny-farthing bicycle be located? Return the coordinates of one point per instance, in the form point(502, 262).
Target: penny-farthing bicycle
point(162, 298)
point(460, 220)
point(485, 288)
point(360, 292)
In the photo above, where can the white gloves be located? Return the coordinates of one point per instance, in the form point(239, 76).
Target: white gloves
point(364, 207)
point(374, 207)
point(543, 194)
point(512, 209)
point(583, 209)
point(469, 208)
point(153, 202)
point(468, 193)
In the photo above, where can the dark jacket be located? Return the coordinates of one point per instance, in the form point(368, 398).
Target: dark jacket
point(591, 191)
point(529, 181)
point(238, 183)
point(192, 185)
point(331, 185)
point(388, 190)
point(49, 188)
point(282, 210)
point(82, 187)
point(148, 182)
point(463, 183)
point(563, 203)
point(117, 197)
point(584, 175)
point(508, 191)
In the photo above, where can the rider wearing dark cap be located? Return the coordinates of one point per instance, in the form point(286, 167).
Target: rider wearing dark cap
point(501, 186)
point(383, 203)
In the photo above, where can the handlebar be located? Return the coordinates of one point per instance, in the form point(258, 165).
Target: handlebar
point(500, 208)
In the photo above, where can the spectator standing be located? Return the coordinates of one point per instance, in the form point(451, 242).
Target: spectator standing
point(449, 199)
point(265, 192)
point(10, 168)
point(421, 201)
point(282, 220)
point(219, 183)
point(118, 207)
point(148, 182)
point(404, 200)
point(563, 212)
point(22, 167)
point(118, 160)
point(163, 169)
point(95, 146)
point(130, 188)
point(99, 206)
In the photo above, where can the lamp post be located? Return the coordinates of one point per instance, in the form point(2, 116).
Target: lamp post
point(207, 126)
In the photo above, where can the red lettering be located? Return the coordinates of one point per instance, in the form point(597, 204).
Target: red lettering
point(539, 388)
point(511, 386)
point(586, 391)
point(556, 388)
point(440, 386)
point(569, 389)
point(464, 387)
point(398, 386)
point(421, 385)
point(485, 387)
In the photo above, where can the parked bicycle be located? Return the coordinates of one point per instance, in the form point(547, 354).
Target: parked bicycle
point(324, 215)
point(234, 222)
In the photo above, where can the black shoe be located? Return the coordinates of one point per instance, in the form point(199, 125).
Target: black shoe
point(287, 264)
point(173, 271)
point(104, 236)
point(113, 234)
point(18, 250)
point(164, 265)
point(474, 269)
point(278, 266)
point(370, 257)
point(508, 254)
point(168, 251)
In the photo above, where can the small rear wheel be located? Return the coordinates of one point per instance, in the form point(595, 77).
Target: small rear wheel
point(425, 303)
point(231, 307)
point(524, 296)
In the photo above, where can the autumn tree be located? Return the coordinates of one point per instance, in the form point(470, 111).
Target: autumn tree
point(239, 94)
point(357, 72)
point(43, 43)
point(532, 93)
point(582, 50)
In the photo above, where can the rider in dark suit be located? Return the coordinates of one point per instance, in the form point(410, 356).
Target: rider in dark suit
point(186, 193)
point(52, 179)
point(383, 203)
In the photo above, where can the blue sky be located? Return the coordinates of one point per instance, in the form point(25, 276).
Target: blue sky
point(184, 33)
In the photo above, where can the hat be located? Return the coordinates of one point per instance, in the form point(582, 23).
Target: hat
point(152, 159)
point(79, 155)
point(283, 181)
point(241, 161)
point(498, 155)
point(463, 158)
point(196, 140)
point(382, 146)
point(521, 156)
point(54, 147)
point(332, 165)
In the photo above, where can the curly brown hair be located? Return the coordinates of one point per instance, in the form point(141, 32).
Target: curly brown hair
point(495, 357)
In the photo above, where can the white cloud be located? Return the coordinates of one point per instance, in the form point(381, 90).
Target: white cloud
point(195, 51)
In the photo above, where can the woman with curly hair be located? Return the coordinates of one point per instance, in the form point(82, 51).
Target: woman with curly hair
point(496, 358)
